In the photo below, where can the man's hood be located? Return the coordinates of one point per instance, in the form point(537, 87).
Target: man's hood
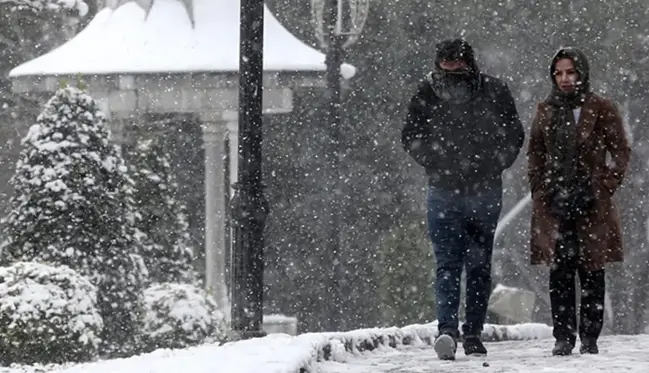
point(458, 50)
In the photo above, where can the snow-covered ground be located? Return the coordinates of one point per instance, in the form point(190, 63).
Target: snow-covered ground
point(278, 353)
point(628, 354)
point(390, 350)
point(281, 353)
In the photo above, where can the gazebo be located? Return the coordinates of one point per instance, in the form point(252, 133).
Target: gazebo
point(150, 57)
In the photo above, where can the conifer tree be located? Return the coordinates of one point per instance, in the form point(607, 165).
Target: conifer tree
point(162, 216)
point(73, 206)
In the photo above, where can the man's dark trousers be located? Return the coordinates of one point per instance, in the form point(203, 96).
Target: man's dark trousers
point(462, 227)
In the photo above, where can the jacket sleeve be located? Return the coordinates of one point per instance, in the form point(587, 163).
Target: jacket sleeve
point(617, 144)
point(513, 131)
point(416, 135)
point(536, 158)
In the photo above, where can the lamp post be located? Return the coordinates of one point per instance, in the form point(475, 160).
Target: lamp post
point(249, 207)
point(338, 24)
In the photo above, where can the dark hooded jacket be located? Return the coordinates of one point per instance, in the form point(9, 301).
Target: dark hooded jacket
point(464, 140)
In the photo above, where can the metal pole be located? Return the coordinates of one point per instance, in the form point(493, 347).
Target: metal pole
point(333, 61)
point(249, 207)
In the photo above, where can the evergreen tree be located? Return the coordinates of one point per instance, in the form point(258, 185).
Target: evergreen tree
point(406, 275)
point(73, 206)
point(162, 216)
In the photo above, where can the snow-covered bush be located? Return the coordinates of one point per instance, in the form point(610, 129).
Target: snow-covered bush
point(47, 315)
point(161, 214)
point(73, 206)
point(179, 316)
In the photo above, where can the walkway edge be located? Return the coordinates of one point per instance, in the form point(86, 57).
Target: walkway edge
point(338, 346)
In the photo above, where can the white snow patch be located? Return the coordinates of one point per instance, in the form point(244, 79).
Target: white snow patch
point(277, 318)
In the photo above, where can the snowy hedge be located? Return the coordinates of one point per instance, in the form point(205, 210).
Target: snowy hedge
point(179, 316)
point(73, 205)
point(47, 315)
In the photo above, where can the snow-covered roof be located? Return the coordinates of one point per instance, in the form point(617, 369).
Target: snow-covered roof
point(130, 40)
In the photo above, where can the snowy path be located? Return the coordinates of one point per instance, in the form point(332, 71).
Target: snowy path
point(618, 354)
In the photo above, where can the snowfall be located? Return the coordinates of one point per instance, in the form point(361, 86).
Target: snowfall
point(394, 350)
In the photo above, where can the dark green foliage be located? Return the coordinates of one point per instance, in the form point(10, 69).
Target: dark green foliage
point(161, 215)
point(73, 206)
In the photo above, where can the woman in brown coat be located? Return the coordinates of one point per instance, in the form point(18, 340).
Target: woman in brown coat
point(575, 225)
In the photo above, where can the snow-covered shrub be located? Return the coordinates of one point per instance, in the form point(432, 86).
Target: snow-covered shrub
point(161, 214)
point(179, 316)
point(47, 315)
point(73, 206)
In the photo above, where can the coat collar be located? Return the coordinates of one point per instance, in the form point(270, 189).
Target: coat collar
point(587, 118)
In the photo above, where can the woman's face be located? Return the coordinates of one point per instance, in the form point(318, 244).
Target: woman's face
point(565, 75)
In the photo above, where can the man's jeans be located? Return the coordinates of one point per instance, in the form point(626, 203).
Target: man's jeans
point(461, 228)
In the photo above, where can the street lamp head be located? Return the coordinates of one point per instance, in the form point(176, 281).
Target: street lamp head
point(350, 20)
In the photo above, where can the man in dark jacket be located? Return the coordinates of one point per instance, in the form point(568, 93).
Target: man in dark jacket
point(463, 128)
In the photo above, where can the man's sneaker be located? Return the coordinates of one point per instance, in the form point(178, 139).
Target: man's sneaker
point(445, 346)
point(588, 346)
point(473, 346)
point(562, 348)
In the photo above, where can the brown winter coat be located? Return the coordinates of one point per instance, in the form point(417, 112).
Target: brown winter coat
point(600, 130)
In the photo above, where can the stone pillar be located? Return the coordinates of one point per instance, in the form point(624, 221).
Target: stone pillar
point(233, 139)
point(215, 209)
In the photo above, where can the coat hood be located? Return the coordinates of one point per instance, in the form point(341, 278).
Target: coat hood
point(456, 49)
point(581, 65)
